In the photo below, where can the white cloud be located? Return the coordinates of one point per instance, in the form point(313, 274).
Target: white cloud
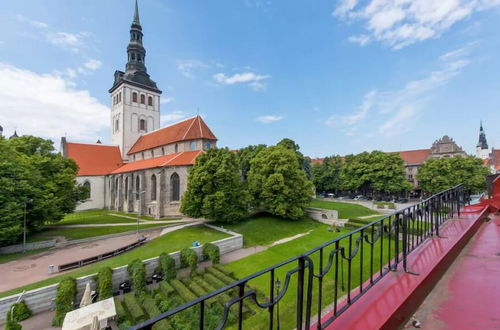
point(267, 119)
point(255, 81)
point(187, 67)
point(165, 100)
point(73, 41)
point(362, 39)
point(391, 112)
point(399, 23)
point(93, 64)
point(172, 117)
point(37, 24)
point(46, 105)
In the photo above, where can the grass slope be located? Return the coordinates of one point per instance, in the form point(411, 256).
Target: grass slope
point(264, 229)
point(346, 210)
point(91, 218)
point(167, 243)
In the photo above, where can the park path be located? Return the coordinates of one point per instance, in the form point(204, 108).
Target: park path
point(143, 222)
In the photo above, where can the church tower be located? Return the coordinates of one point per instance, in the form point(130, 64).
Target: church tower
point(482, 145)
point(135, 98)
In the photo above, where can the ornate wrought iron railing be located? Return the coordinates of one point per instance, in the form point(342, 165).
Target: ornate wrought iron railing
point(342, 269)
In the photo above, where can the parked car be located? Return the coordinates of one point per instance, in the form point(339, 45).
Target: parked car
point(360, 198)
point(331, 195)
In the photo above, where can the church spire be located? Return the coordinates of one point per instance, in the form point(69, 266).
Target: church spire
point(482, 143)
point(136, 14)
point(135, 50)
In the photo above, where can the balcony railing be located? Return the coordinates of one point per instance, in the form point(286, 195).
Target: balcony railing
point(355, 261)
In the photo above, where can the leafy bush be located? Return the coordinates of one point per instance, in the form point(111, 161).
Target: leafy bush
point(65, 299)
point(189, 258)
point(181, 289)
point(137, 272)
point(10, 324)
point(133, 308)
point(20, 311)
point(105, 283)
point(167, 264)
point(166, 288)
point(211, 252)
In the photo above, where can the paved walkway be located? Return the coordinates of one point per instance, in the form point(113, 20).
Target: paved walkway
point(142, 222)
point(466, 297)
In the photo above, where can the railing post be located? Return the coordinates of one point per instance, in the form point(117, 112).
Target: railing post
point(300, 293)
point(405, 240)
point(435, 217)
point(396, 241)
point(202, 315)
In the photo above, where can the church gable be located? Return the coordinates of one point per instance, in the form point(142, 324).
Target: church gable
point(93, 159)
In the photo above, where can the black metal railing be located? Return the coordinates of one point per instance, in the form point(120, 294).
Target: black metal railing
point(334, 274)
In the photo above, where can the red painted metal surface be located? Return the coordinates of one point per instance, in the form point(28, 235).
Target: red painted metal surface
point(392, 300)
point(468, 295)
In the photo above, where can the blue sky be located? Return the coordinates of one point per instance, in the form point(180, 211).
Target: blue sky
point(336, 76)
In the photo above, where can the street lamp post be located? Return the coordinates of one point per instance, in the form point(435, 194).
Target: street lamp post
point(278, 303)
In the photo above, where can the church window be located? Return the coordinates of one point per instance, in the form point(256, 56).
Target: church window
point(119, 97)
point(176, 147)
point(134, 97)
point(139, 57)
point(150, 101)
point(143, 99)
point(126, 188)
point(133, 56)
point(137, 187)
point(142, 124)
point(117, 124)
point(153, 187)
point(152, 154)
point(86, 185)
point(192, 145)
point(174, 187)
point(163, 151)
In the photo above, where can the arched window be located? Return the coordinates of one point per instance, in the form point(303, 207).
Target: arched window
point(119, 97)
point(163, 151)
point(134, 97)
point(86, 185)
point(142, 125)
point(126, 188)
point(192, 145)
point(153, 187)
point(176, 147)
point(137, 187)
point(117, 124)
point(174, 187)
point(150, 101)
point(133, 56)
point(143, 99)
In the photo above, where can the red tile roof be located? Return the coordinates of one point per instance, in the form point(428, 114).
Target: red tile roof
point(94, 159)
point(189, 129)
point(317, 161)
point(415, 156)
point(176, 159)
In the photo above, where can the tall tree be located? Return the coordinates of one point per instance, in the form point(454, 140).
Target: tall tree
point(326, 175)
point(439, 174)
point(245, 156)
point(32, 175)
point(304, 162)
point(278, 184)
point(215, 189)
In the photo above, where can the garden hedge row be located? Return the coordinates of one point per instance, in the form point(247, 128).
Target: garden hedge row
point(167, 264)
point(20, 311)
point(149, 306)
point(65, 299)
point(121, 315)
point(166, 288)
point(134, 308)
point(105, 283)
point(197, 289)
point(225, 271)
point(220, 275)
point(183, 291)
point(211, 252)
point(214, 281)
point(189, 258)
point(137, 272)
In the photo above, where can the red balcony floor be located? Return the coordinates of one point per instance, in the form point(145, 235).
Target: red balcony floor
point(468, 295)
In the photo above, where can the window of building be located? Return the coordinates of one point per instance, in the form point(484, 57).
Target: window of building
point(153, 187)
point(137, 187)
point(134, 97)
point(142, 154)
point(174, 187)
point(163, 151)
point(114, 100)
point(176, 147)
point(86, 185)
point(119, 97)
point(192, 145)
point(126, 188)
point(150, 101)
point(142, 124)
point(152, 154)
point(117, 124)
point(133, 56)
point(208, 145)
point(143, 99)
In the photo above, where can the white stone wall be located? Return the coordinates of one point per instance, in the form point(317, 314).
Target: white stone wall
point(97, 193)
point(200, 144)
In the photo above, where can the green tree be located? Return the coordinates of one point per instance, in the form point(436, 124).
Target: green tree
point(326, 176)
point(439, 174)
point(245, 156)
point(305, 162)
point(33, 175)
point(215, 189)
point(278, 184)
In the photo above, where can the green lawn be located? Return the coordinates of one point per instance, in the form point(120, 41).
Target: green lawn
point(381, 205)
point(346, 210)
point(143, 217)
point(85, 232)
point(278, 253)
point(167, 243)
point(13, 256)
point(91, 217)
point(264, 229)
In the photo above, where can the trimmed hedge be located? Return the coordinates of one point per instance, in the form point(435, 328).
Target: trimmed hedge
point(133, 308)
point(197, 289)
point(214, 281)
point(167, 264)
point(20, 311)
point(149, 306)
point(65, 299)
point(211, 252)
point(189, 258)
point(105, 283)
point(121, 315)
point(137, 272)
point(220, 275)
point(183, 291)
point(166, 288)
point(224, 270)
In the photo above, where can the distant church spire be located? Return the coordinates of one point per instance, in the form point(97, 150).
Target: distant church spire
point(482, 143)
point(135, 50)
point(136, 14)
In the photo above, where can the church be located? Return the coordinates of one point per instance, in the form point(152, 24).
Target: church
point(145, 169)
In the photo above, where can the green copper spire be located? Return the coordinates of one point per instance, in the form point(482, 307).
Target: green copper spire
point(136, 14)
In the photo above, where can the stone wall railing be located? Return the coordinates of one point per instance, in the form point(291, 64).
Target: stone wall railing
point(29, 246)
point(41, 300)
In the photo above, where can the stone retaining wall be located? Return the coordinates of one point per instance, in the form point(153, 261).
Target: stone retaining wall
point(29, 246)
point(41, 300)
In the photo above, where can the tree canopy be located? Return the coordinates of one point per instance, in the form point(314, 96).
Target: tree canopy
point(33, 175)
point(326, 175)
point(278, 184)
point(215, 190)
point(439, 174)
